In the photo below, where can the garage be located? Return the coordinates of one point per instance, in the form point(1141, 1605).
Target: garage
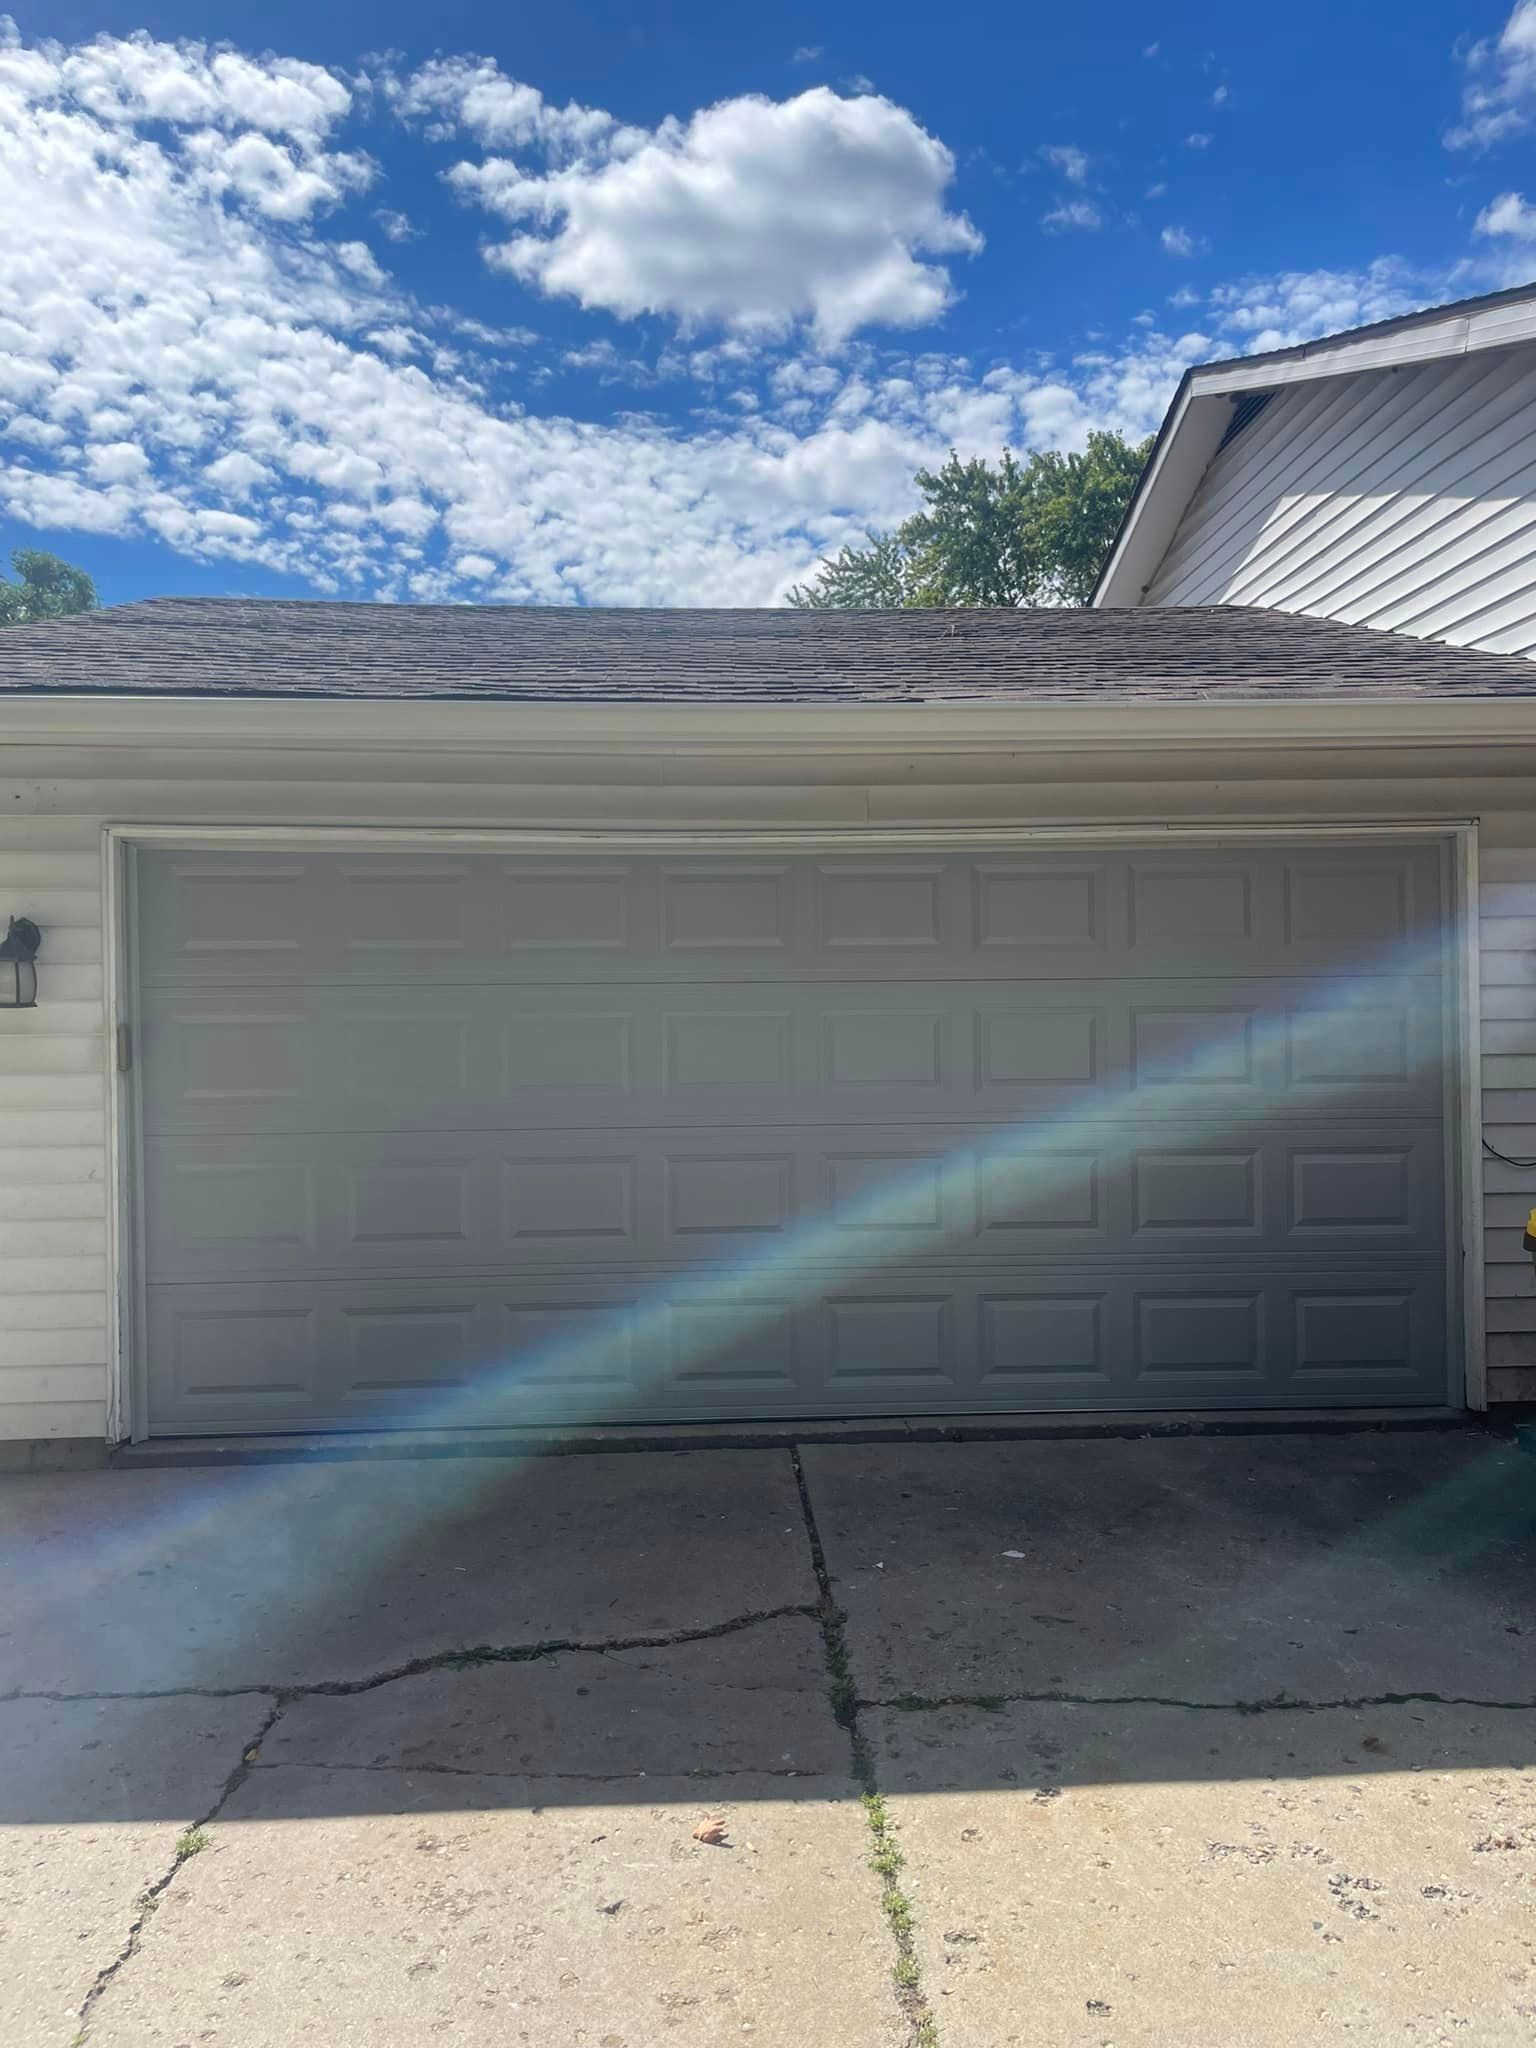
point(427, 1136)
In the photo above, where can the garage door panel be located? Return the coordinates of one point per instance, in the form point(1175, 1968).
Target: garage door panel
point(243, 918)
point(830, 1197)
point(444, 1354)
point(349, 1058)
point(459, 1138)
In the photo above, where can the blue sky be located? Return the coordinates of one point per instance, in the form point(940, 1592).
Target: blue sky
point(655, 304)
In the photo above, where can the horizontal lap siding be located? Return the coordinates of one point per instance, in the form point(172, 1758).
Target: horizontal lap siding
point(1508, 956)
point(1400, 499)
point(53, 1156)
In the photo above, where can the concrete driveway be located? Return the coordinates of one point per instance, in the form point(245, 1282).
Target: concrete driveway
point(1084, 1744)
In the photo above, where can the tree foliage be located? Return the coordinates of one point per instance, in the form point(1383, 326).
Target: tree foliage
point(1014, 532)
point(43, 588)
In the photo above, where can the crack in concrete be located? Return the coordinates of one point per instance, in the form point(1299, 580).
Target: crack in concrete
point(885, 1854)
point(150, 1897)
point(440, 1660)
point(548, 1777)
point(1278, 1703)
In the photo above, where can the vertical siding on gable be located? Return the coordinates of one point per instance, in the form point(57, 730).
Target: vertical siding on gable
point(1401, 499)
point(53, 1181)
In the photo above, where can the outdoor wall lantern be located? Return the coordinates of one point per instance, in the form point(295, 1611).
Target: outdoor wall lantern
point(18, 965)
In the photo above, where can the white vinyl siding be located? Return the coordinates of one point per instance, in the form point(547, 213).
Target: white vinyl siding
point(1508, 961)
point(1401, 499)
point(53, 1176)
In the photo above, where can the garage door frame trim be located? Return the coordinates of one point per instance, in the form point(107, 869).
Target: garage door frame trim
point(127, 1414)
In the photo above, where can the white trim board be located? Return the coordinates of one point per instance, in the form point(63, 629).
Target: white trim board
point(126, 1395)
point(1213, 722)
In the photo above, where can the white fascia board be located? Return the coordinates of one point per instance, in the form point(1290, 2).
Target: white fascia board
point(1183, 455)
point(1462, 334)
point(1112, 724)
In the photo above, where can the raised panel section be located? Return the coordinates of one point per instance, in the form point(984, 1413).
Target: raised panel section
point(891, 1048)
point(556, 1049)
point(391, 1052)
point(1023, 1335)
point(1345, 904)
point(750, 1346)
point(1198, 1334)
point(879, 906)
point(252, 1355)
point(411, 1351)
point(583, 1348)
point(890, 1338)
point(241, 916)
point(726, 909)
point(1038, 906)
point(585, 1200)
point(885, 1191)
point(234, 1206)
point(1193, 1049)
point(1359, 1044)
point(405, 910)
point(1345, 1191)
point(406, 1202)
point(1038, 1048)
point(729, 1194)
point(572, 909)
point(1175, 906)
point(1048, 1189)
point(1351, 1333)
point(1195, 1191)
point(729, 1049)
point(233, 1057)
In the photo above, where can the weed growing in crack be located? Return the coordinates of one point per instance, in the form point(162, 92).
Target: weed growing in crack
point(192, 1843)
point(885, 1857)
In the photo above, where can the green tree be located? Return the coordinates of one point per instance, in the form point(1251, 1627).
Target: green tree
point(43, 588)
point(1015, 532)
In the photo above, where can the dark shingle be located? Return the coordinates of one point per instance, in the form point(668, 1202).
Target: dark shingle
point(280, 648)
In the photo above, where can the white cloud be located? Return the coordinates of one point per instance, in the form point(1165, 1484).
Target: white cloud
point(474, 93)
point(237, 474)
point(1071, 161)
point(1157, 191)
point(1180, 242)
point(1072, 213)
point(246, 129)
point(1220, 96)
point(1509, 214)
point(726, 218)
point(1499, 99)
point(358, 258)
point(117, 462)
point(181, 366)
point(1198, 140)
point(1278, 312)
point(1186, 295)
point(396, 225)
point(1152, 49)
point(808, 53)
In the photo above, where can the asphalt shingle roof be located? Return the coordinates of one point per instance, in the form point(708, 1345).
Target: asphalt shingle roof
point(280, 648)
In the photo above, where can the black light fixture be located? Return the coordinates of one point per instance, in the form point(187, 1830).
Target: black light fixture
point(18, 965)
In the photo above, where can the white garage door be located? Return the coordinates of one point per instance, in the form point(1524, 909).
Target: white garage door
point(434, 1139)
